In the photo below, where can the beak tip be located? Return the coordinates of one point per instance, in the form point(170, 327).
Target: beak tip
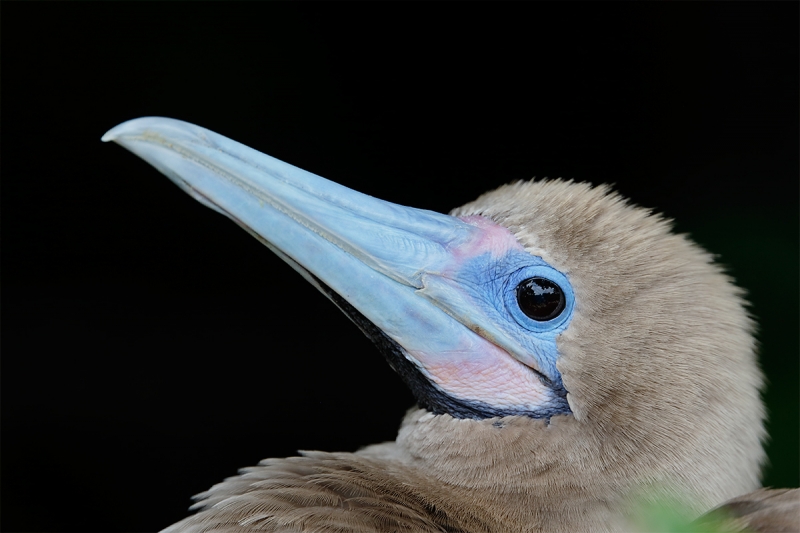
point(139, 127)
point(121, 130)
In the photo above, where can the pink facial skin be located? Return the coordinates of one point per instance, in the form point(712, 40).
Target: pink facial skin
point(487, 373)
point(492, 238)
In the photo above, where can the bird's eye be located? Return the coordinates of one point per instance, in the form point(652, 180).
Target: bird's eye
point(540, 299)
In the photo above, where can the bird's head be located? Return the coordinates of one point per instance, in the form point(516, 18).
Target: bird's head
point(553, 334)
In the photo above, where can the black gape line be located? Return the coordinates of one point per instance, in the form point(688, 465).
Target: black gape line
point(428, 395)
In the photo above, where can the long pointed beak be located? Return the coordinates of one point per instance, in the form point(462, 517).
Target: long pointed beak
point(371, 252)
point(399, 267)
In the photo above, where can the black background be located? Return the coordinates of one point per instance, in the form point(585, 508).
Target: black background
point(151, 347)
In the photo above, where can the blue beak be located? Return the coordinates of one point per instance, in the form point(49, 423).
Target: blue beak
point(395, 265)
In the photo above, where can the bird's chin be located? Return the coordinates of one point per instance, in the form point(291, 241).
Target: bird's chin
point(506, 387)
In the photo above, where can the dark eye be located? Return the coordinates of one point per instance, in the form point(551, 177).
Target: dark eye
point(540, 299)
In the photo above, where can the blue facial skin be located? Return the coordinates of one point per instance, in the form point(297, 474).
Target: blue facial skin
point(492, 283)
point(481, 294)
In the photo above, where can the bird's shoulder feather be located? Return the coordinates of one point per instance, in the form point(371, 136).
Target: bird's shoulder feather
point(318, 492)
point(764, 510)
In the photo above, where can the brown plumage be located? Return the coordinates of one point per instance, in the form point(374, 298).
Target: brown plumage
point(660, 402)
point(662, 378)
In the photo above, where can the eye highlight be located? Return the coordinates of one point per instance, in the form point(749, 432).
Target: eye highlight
point(540, 299)
point(537, 297)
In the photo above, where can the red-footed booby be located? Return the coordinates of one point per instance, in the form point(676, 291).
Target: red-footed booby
point(571, 357)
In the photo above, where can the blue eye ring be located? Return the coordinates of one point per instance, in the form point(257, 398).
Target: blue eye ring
point(555, 309)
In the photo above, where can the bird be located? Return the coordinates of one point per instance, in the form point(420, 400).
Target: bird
point(573, 359)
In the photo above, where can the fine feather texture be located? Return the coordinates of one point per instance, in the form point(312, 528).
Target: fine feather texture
point(660, 368)
point(765, 510)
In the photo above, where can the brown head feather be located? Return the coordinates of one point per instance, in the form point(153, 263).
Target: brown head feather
point(659, 361)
